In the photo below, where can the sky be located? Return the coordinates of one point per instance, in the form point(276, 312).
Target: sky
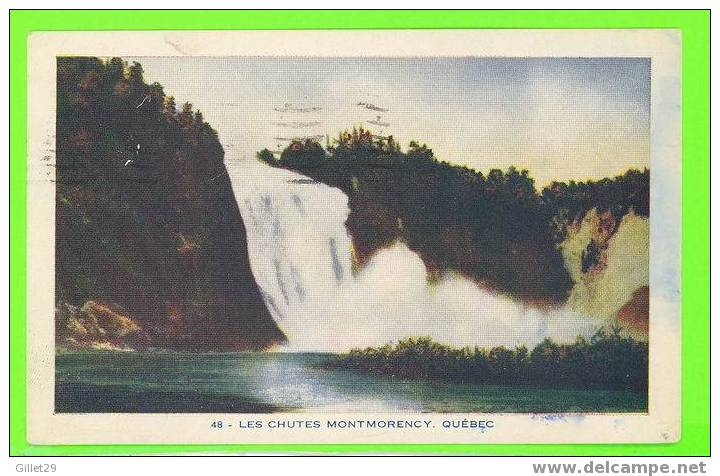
point(560, 118)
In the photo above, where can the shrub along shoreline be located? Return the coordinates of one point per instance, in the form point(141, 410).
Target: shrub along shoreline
point(609, 360)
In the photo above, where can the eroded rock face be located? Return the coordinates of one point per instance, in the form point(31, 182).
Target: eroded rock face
point(608, 260)
point(634, 315)
point(97, 325)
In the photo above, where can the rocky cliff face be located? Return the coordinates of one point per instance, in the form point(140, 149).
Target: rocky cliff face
point(608, 260)
point(150, 246)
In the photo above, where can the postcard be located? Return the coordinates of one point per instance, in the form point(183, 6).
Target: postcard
point(412, 236)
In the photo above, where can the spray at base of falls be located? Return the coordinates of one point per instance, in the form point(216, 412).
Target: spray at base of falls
point(300, 255)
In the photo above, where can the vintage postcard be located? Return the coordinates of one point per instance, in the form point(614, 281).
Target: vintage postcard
point(354, 237)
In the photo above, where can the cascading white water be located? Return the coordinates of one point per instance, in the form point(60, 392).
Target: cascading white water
point(300, 254)
point(469, 111)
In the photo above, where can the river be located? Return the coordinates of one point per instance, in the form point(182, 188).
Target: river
point(137, 382)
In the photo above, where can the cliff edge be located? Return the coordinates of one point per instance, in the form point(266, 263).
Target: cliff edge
point(151, 249)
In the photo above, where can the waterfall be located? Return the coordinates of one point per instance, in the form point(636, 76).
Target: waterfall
point(300, 255)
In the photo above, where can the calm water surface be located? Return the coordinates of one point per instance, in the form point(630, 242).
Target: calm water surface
point(273, 382)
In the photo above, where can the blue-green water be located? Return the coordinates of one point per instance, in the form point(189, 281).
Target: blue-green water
point(89, 382)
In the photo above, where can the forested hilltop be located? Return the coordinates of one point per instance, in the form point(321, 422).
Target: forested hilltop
point(150, 245)
point(495, 228)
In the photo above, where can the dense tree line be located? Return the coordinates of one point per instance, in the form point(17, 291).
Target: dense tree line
point(495, 228)
point(609, 360)
point(147, 222)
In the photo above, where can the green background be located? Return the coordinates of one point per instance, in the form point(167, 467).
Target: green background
point(695, 26)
